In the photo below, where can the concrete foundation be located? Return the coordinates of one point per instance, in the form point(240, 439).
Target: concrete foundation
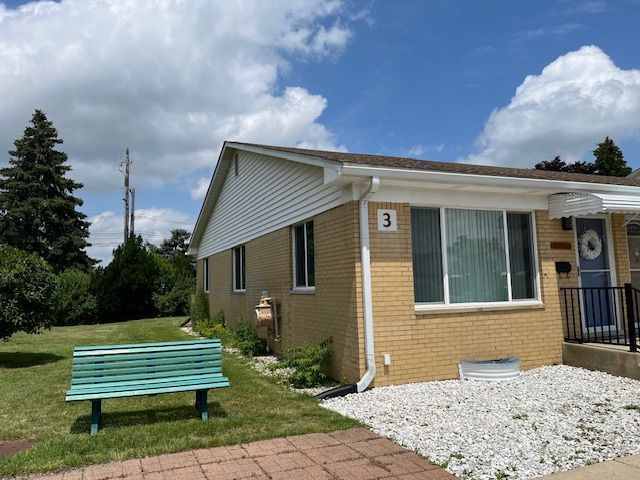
point(605, 358)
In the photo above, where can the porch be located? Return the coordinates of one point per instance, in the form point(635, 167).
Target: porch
point(601, 326)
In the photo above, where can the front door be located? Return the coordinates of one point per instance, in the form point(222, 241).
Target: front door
point(594, 262)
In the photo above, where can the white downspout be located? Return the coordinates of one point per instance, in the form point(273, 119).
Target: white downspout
point(365, 268)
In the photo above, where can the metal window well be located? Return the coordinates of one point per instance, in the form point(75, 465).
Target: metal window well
point(498, 370)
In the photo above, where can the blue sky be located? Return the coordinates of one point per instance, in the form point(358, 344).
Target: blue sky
point(409, 78)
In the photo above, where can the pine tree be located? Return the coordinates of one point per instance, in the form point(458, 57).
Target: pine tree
point(609, 159)
point(38, 211)
point(559, 165)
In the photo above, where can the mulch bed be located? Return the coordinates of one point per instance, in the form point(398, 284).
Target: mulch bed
point(15, 446)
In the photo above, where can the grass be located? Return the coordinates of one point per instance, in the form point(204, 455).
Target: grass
point(35, 373)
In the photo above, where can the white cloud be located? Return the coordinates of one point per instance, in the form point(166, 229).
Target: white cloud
point(171, 79)
point(418, 150)
point(200, 190)
point(154, 224)
point(575, 102)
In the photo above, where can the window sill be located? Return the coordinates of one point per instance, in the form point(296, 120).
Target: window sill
point(239, 292)
point(303, 291)
point(477, 307)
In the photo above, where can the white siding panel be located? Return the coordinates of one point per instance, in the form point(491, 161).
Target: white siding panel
point(269, 193)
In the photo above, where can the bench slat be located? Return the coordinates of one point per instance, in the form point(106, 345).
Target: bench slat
point(146, 345)
point(85, 365)
point(145, 356)
point(136, 384)
point(143, 350)
point(149, 391)
point(110, 379)
point(148, 368)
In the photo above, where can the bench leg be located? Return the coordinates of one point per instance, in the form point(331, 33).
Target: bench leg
point(96, 412)
point(201, 404)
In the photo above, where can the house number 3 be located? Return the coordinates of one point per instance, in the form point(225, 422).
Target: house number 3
point(387, 220)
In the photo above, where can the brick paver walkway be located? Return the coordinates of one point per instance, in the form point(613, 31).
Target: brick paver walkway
point(355, 454)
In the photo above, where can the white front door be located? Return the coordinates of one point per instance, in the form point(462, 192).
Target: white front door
point(596, 275)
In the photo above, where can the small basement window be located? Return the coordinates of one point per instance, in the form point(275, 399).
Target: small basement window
point(238, 269)
point(304, 269)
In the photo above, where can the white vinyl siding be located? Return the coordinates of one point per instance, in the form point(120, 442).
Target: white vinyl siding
point(267, 194)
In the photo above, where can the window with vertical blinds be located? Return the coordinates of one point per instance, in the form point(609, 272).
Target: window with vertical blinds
point(472, 256)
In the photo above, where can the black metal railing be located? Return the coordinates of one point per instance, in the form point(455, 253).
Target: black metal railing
point(607, 315)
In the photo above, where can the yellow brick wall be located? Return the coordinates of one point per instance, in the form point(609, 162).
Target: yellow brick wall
point(430, 346)
point(306, 318)
point(422, 346)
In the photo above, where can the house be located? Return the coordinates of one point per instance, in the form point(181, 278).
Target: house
point(410, 266)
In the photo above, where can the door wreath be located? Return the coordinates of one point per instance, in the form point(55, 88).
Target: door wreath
point(590, 245)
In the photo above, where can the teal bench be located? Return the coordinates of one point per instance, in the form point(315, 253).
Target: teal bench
point(116, 371)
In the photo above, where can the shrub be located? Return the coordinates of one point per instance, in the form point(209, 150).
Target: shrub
point(214, 328)
point(199, 309)
point(174, 289)
point(27, 286)
point(308, 363)
point(248, 342)
point(75, 303)
point(125, 288)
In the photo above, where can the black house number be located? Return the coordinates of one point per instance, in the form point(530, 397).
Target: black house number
point(386, 220)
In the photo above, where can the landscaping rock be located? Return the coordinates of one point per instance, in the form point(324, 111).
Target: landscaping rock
point(549, 419)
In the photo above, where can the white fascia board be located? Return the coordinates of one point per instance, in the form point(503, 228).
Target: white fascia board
point(554, 186)
point(293, 157)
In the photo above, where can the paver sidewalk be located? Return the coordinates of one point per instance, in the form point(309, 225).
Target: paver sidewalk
point(624, 468)
point(355, 454)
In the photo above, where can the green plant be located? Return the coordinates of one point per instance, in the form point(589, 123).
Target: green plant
point(214, 328)
point(27, 286)
point(308, 362)
point(248, 342)
point(174, 288)
point(125, 288)
point(75, 303)
point(199, 308)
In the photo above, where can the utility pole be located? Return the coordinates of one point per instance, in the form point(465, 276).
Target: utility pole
point(126, 194)
point(133, 211)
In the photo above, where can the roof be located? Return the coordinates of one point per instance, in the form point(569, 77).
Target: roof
point(448, 167)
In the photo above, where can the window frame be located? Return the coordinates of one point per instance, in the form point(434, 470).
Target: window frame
point(446, 304)
point(205, 267)
point(306, 288)
point(242, 270)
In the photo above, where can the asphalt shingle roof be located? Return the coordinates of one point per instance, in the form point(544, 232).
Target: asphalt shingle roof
point(449, 167)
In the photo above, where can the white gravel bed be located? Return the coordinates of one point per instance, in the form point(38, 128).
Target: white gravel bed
point(549, 419)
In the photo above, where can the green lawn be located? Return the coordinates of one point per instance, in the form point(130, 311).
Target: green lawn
point(35, 372)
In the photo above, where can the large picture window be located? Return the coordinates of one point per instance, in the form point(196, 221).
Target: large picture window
point(238, 269)
point(304, 270)
point(472, 256)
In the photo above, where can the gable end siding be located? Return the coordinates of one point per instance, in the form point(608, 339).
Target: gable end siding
point(267, 194)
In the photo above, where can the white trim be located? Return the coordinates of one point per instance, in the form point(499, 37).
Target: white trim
point(243, 281)
point(205, 267)
point(552, 186)
point(303, 290)
point(589, 203)
point(427, 308)
point(446, 304)
point(294, 157)
point(306, 288)
point(505, 228)
point(445, 258)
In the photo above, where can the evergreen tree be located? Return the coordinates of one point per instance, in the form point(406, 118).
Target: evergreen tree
point(125, 288)
point(609, 159)
point(38, 212)
point(176, 244)
point(559, 165)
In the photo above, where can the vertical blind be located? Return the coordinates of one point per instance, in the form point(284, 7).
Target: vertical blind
point(476, 255)
point(521, 255)
point(476, 260)
point(427, 257)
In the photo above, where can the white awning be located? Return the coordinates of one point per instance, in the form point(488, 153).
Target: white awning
point(577, 204)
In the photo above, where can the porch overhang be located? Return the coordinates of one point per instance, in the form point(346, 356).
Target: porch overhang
point(580, 204)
